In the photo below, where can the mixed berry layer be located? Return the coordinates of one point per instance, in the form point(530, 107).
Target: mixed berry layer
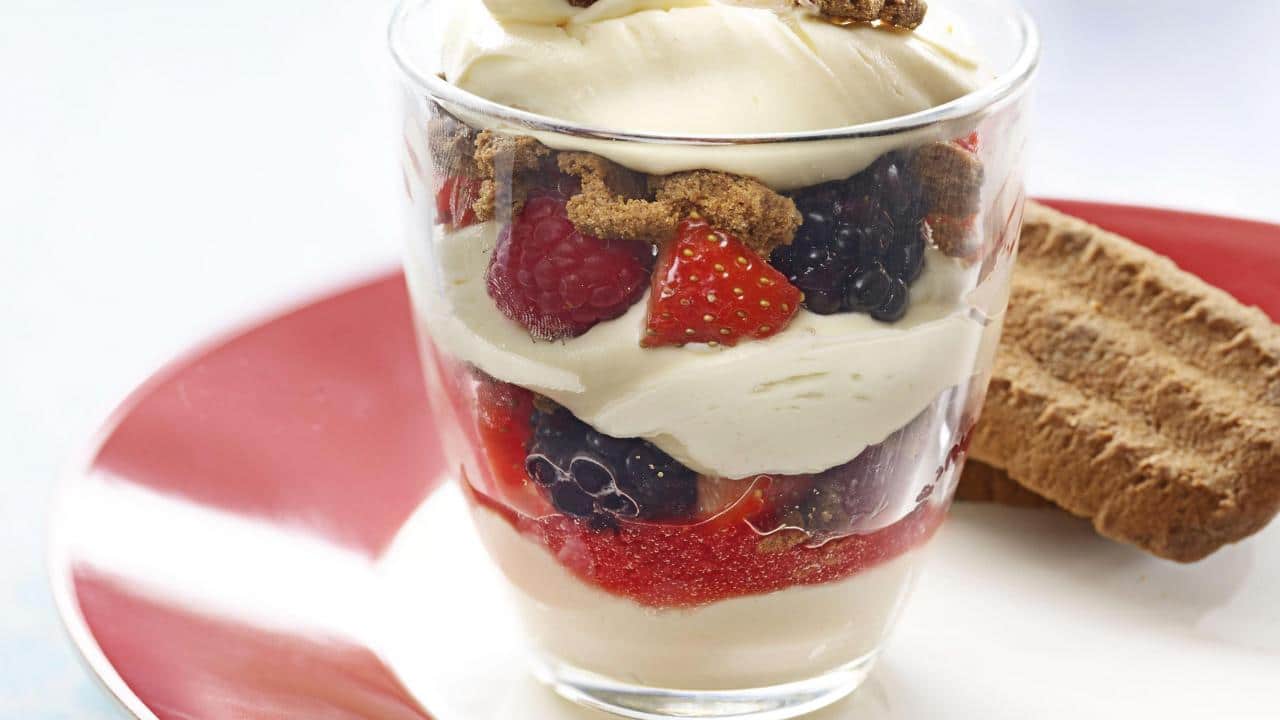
point(689, 565)
point(625, 517)
point(725, 258)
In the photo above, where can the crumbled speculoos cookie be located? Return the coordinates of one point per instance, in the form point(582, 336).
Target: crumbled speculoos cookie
point(955, 236)
point(505, 163)
point(613, 201)
point(452, 145)
point(602, 175)
point(951, 178)
point(904, 14)
point(859, 10)
point(618, 203)
point(761, 218)
point(519, 153)
point(494, 195)
point(490, 198)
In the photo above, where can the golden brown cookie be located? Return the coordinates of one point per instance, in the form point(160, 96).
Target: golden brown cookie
point(982, 483)
point(1134, 394)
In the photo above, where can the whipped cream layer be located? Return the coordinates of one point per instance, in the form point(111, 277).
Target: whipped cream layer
point(754, 641)
point(690, 67)
point(811, 397)
point(714, 68)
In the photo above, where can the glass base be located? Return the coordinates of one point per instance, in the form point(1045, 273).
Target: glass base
point(775, 702)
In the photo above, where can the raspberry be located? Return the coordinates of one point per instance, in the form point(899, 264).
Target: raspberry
point(861, 244)
point(454, 201)
point(558, 282)
point(709, 287)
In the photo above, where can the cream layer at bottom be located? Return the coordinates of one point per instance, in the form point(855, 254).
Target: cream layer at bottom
point(745, 642)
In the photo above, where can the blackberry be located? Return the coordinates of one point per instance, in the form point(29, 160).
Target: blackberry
point(849, 498)
point(838, 500)
point(861, 244)
point(594, 476)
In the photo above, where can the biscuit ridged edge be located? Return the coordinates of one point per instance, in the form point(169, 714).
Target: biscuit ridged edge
point(1134, 394)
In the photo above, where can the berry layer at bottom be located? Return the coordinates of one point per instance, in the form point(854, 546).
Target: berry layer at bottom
point(687, 565)
point(792, 633)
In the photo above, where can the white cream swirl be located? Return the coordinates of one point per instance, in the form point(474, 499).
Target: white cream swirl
point(697, 67)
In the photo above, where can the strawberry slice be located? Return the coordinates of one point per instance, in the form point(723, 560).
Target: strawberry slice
point(454, 200)
point(708, 287)
point(503, 412)
point(505, 408)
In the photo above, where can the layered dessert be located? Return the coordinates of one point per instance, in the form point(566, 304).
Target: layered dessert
point(708, 399)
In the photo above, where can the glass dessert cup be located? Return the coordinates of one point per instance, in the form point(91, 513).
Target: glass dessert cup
point(708, 463)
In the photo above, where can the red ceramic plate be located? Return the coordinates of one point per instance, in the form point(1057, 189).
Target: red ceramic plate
point(313, 427)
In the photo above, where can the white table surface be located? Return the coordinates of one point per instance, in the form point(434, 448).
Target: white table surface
point(167, 169)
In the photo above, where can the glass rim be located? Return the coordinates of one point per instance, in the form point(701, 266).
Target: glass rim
point(1010, 82)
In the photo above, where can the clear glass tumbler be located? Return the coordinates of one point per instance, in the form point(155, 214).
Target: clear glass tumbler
point(709, 528)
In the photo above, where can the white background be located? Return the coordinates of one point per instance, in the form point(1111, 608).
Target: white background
point(169, 168)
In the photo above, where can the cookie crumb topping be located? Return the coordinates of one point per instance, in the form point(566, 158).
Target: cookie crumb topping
point(951, 180)
point(745, 207)
point(499, 158)
point(452, 145)
point(901, 14)
point(614, 201)
point(950, 176)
